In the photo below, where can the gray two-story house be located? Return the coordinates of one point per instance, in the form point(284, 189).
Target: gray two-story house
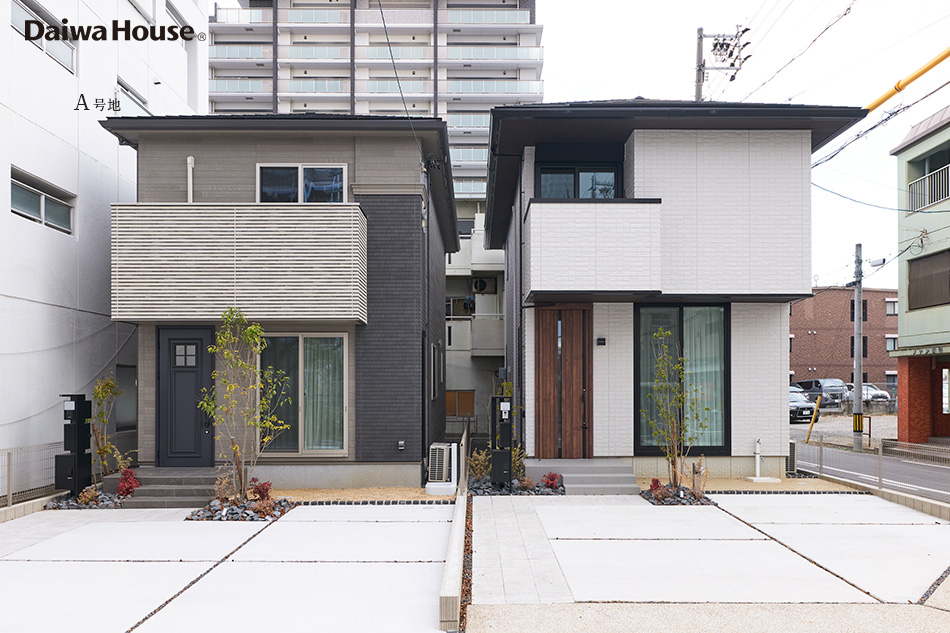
point(331, 232)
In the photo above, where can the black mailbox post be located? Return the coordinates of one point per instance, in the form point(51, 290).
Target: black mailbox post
point(501, 440)
point(74, 467)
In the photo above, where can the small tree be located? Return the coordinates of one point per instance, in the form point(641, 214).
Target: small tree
point(104, 395)
point(244, 400)
point(679, 418)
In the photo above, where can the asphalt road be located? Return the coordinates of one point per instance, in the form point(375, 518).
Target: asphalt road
point(924, 480)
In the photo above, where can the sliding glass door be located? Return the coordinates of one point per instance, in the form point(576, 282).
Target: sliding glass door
point(316, 367)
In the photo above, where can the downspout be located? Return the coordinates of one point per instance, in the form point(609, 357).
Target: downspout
point(191, 179)
point(520, 346)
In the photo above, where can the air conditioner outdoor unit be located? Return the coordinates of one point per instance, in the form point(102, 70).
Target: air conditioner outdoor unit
point(440, 462)
point(485, 285)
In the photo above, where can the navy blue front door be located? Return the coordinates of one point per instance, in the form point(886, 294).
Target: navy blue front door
point(185, 435)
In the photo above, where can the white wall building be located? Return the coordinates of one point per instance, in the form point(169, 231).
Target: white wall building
point(56, 334)
point(618, 218)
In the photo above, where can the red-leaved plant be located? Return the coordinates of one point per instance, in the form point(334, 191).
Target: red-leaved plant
point(551, 480)
point(127, 482)
point(261, 489)
point(655, 484)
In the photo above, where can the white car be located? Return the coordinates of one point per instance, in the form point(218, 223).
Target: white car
point(871, 393)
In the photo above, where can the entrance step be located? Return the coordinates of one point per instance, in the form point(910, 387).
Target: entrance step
point(168, 487)
point(598, 476)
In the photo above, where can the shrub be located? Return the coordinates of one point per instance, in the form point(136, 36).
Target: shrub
point(479, 464)
point(88, 495)
point(263, 507)
point(517, 462)
point(527, 483)
point(261, 489)
point(655, 485)
point(127, 482)
point(551, 480)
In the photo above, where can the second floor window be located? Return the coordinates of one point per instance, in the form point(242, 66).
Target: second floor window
point(301, 183)
point(578, 182)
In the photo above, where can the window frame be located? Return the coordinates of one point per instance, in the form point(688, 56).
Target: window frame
point(298, 399)
point(40, 43)
point(888, 345)
point(42, 218)
point(889, 310)
point(577, 168)
point(300, 172)
point(724, 450)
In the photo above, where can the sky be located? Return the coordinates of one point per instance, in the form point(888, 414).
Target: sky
point(620, 49)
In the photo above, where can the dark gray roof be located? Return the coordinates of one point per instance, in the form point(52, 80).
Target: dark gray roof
point(931, 125)
point(430, 132)
point(515, 127)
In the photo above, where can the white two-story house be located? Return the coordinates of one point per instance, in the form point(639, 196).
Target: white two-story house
point(622, 217)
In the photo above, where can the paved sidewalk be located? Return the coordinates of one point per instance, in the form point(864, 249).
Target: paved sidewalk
point(829, 561)
point(353, 568)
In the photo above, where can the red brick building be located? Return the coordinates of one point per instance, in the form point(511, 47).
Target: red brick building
point(821, 333)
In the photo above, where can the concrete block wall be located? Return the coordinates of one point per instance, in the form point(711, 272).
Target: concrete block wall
point(613, 388)
point(727, 195)
point(759, 333)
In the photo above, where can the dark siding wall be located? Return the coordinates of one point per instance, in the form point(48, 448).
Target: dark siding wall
point(436, 329)
point(389, 369)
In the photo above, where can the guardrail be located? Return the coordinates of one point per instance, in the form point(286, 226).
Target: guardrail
point(27, 472)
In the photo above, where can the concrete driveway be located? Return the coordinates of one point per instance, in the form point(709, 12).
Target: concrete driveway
point(353, 568)
point(604, 564)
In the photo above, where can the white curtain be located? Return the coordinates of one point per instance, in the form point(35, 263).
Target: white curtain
point(323, 393)
point(705, 354)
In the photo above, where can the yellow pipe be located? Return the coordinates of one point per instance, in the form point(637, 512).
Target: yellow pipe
point(814, 416)
point(903, 83)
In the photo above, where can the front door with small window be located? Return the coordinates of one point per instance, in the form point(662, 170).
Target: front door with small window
point(563, 375)
point(185, 435)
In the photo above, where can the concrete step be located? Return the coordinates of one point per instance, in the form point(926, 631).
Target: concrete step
point(165, 502)
point(597, 479)
point(149, 479)
point(175, 491)
point(602, 489)
point(537, 468)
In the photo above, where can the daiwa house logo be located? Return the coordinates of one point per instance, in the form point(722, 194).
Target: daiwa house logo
point(120, 31)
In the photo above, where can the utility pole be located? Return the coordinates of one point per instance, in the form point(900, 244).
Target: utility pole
point(857, 395)
point(726, 49)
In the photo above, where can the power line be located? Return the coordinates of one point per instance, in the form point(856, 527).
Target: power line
point(392, 58)
point(837, 19)
point(878, 206)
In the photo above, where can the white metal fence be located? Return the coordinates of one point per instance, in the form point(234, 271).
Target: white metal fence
point(931, 189)
point(26, 472)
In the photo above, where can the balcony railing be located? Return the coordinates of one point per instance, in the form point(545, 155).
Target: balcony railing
point(233, 51)
point(931, 189)
point(391, 85)
point(399, 52)
point(240, 85)
point(480, 16)
point(243, 16)
point(314, 16)
point(469, 120)
point(319, 52)
point(488, 335)
point(470, 187)
point(494, 86)
point(315, 86)
point(274, 261)
point(469, 154)
point(495, 52)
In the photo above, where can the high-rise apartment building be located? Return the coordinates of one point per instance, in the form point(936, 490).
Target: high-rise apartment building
point(456, 59)
point(64, 171)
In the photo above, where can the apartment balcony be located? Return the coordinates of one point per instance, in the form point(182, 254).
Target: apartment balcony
point(488, 335)
point(316, 56)
point(592, 246)
point(456, 17)
point(190, 262)
point(929, 190)
point(470, 189)
point(239, 89)
point(240, 56)
point(313, 20)
point(488, 90)
point(460, 264)
point(241, 21)
point(485, 260)
point(398, 21)
point(313, 89)
point(492, 56)
point(422, 88)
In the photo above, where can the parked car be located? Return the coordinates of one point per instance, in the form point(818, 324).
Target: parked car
point(871, 393)
point(831, 390)
point(795, 388)
point(800, 408)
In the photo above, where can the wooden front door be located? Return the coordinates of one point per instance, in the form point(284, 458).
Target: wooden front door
point(185, 435)
point(563, 410)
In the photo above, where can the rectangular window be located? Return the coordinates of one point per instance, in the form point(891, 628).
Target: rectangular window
point(890, 307)
point(864, 310)
point(890, 384)
point(315, 365)
point(864, 346)
point(460, 404)
point(928, 281)
point(699, 336)
point(40, 207)
point(301, 183)
point(578, 182)
point(62, 51)
point(891, 343)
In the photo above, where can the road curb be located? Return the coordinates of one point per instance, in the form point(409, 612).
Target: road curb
point(927, 506)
